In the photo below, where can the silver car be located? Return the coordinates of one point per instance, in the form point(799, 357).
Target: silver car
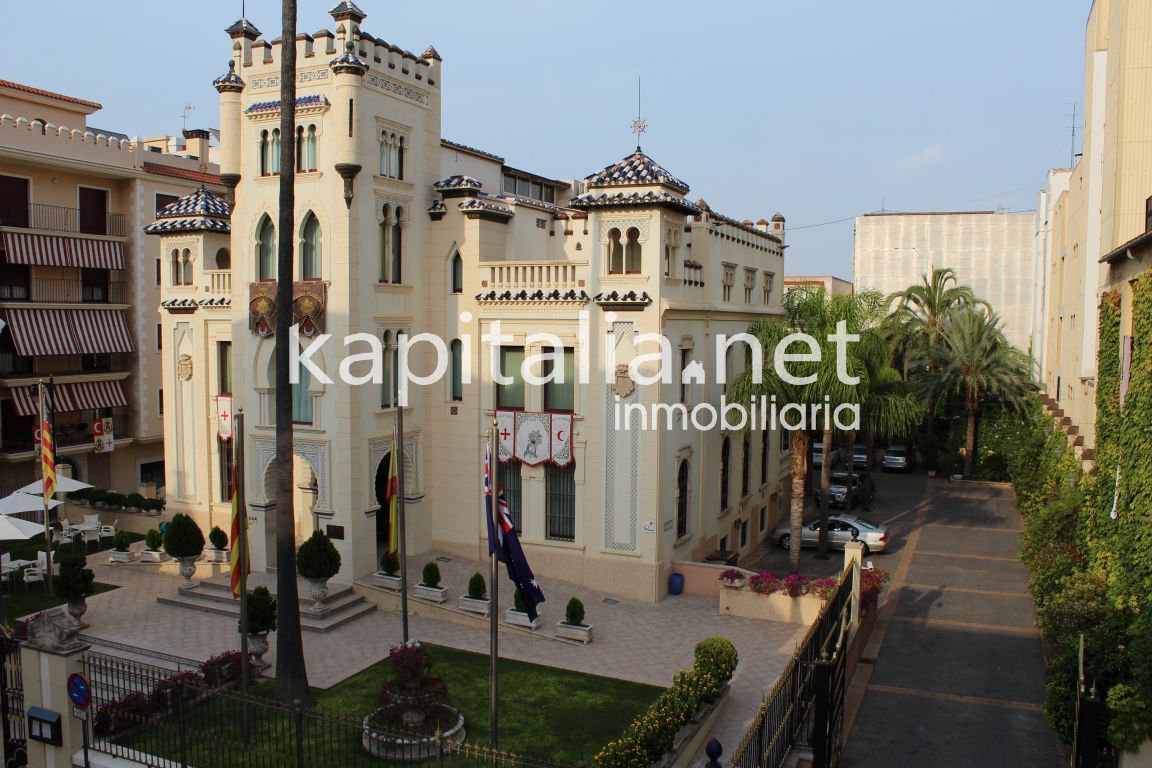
point(899, 458)
point(818, 455)
point(842, 529)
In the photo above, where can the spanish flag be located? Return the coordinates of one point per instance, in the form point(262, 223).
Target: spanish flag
point(239, 555)
point(48, 459)
point(392, 496)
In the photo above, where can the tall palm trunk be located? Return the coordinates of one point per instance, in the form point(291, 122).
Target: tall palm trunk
point(825, 481)
point(970, 453)
point(291, 674)
point(799, 468)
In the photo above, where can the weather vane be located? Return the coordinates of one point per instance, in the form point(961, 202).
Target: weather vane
point(639, 125)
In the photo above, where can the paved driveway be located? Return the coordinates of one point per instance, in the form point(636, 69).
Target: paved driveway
point(959, 678)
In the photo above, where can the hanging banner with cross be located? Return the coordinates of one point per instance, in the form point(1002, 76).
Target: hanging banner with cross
point(534, 438)
point(505, 432)
point(224, 417)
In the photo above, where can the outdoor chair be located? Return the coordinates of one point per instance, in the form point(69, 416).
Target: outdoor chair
point(33, 573)
point(109, 530)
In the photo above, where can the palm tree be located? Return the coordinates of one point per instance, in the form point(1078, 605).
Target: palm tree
point(916, 324)
point(813, 312)
point(291, 674)
point(975, 362)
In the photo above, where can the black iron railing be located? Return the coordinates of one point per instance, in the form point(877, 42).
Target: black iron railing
point(56, 218)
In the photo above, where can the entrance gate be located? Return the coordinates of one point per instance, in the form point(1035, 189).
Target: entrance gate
point(12, 704)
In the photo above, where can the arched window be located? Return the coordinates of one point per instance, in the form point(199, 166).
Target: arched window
point(395, 355)
point(385, 228)
point(265, 151)
point(299, 148)
point(457, 350)
point(174, 263)
point(310, 249)
point(386, 387)
point(223, 259)
point(745, 466)
point(274, 159)
point(682, 500)
point(393, 155)
point(397, 247)
point(400, 158)
point(632, 251)
point(186, 263)
point(457, 273)
point(266, 250)
point(384, 166)
point(310, 154)
point(301, 397)
point(725, 461)
point(615, 252)
point(764, 456)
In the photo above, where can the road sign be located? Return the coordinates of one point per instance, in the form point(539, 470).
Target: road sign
point(79, 714)
point(79, 691)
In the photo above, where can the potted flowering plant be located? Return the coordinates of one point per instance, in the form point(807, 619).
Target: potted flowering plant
point(732, 578)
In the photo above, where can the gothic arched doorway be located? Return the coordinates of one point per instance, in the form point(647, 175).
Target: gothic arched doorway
point(305, 492)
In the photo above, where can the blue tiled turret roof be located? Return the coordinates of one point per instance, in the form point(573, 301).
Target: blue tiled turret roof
point(302, 102)
point(458, 182)
point(229, 81)
point(636, 170)
point(200, 211)
point(349, 61)
point(647, 199)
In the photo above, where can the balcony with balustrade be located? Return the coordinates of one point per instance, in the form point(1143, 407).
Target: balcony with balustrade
point(56, 218)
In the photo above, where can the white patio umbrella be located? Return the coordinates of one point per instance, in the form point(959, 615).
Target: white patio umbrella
point(64, 484)
point(13, 528)
point(25, 502)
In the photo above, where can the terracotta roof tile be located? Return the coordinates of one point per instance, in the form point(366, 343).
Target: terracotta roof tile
point(182, 173)
point(50, 94)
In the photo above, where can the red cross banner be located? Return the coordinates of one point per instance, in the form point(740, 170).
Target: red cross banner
point(505, 433)
point(224, 417)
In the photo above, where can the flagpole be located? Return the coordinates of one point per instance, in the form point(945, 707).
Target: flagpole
point(494, 606)
point(44, 439)
point(399, 446)
point(242, 562)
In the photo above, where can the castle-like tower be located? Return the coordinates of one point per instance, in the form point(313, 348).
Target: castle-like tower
point(401, 232)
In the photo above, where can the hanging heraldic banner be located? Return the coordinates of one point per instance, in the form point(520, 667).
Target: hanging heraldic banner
point(534, 438)
point(224, 417)
point(103, 436)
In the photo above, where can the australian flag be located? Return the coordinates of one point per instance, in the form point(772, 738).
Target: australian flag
point(503, 541)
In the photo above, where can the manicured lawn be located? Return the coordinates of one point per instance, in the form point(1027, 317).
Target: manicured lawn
point(546, 713)
point(18, 603)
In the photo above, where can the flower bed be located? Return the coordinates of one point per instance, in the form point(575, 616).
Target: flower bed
point(793, 599)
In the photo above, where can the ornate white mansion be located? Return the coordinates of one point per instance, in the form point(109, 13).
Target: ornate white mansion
point(402, 231)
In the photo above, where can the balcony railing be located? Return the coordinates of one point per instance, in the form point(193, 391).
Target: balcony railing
point(56, 290)
point(71, 429)
point(532, 275)
point(17, 366)
point(55, 218)
point(219, 281)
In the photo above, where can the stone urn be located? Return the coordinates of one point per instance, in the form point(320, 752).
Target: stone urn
point(258, 646)
point(318, 589)
point(77, 609)
point(187, 569)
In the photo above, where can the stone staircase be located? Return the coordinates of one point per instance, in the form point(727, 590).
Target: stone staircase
point(214, 595)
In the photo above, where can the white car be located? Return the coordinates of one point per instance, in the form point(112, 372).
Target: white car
point(818, 455)
point(842, 528)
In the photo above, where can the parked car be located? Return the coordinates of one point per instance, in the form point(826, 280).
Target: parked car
point(863, 490)
point(818, 455)
point(898, 458)
point(842, 529)
point(861, 458)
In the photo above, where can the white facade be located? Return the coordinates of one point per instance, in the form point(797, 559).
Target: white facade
point(594, 263)
point(993, 253)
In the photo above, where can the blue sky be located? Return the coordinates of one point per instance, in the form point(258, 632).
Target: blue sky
point(819, 110)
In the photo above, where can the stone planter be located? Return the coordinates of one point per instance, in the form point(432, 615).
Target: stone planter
point(413, 749)
point(580, 632)
point(77, 609)
point(732, 584)
point(152, 512)
point(154, 556)
point(214, 555)
point(187, 569)
point(520, 619)
point(387, 580)
point(318, 589)
point(432, 594)
point(258, 646)
point(472, 605)
point(775, 607)
point(122, 557)
point(133, 510)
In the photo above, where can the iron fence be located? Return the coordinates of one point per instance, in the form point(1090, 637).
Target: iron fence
point(12, 703)
point(56, 218)
point(785, 716)
point(158, 717)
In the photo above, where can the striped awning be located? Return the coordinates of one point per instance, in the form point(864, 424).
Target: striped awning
point(77, 396)
point(61, 251)
point(68, 331)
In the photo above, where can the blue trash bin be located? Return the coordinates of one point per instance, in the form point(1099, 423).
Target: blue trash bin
point(676, 583)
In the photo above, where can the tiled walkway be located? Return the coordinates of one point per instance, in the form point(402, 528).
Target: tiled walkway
point(634, 641)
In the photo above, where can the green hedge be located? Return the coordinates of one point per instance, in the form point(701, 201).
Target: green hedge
point(651, 734)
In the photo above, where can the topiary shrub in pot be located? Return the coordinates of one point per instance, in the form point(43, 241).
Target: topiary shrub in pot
point(318, 560)
point(184, 541)
point(389, 574)
point(153, 544)
point(517, 615)
point(219, 541)
point(261, 621)
point(573, 626)
point(121, 542)
point(429, 587)
point(73, 582)
point(134, 502)
point(476, 601)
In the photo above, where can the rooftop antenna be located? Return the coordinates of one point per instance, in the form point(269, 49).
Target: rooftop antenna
point(187, 108)
point(639, 125)
point(1072, 151)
